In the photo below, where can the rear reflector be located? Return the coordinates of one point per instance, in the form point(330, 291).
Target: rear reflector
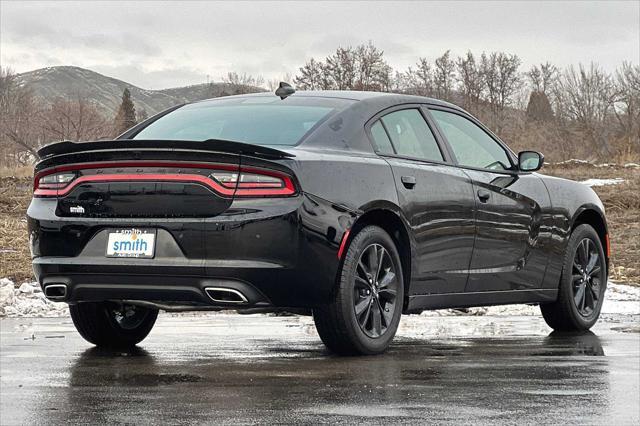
point(224, 179)
point(343, 243)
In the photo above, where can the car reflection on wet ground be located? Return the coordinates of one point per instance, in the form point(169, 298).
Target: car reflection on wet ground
point(261, 369)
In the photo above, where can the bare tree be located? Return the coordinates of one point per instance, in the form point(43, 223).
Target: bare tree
point(359, 68)
point(627, 105)
point(588, 96)
point(19, 114)
point(419, 80)
point(239, 84)
point(542, 78)
point(313, 76)
point(502, 82)
point(274, 83)
point(341, 68)
point(310, 77)
point(470, 80)
point(74, 119)
point(444, 76)
point(372, 71)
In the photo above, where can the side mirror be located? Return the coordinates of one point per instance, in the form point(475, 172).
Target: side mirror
point(530, 161)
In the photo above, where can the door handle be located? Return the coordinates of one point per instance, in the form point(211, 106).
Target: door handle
point(484, 195)
point(408, 181)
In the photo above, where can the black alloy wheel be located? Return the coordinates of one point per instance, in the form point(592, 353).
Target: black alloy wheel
point(375, 290)
point(586, 277)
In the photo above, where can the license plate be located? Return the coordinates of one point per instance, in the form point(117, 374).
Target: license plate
point(138, 243)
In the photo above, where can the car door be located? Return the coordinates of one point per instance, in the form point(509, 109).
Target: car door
point(508, 251)
point(436, 198)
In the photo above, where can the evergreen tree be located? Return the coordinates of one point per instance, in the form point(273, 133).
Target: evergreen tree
point(539, 108)
point(126, 115)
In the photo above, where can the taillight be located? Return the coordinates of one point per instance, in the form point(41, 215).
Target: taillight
point(49, 184)
point(250, 182)
point(247, 182)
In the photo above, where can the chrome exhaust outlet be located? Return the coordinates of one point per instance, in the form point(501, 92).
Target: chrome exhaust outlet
point(56, 292)
point(226, 295)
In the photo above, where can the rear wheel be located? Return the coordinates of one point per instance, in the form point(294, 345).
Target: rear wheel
point(363, 317)
point(114, 325)
point(582, 285)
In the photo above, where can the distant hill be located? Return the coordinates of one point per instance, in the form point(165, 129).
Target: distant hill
point(106, 92)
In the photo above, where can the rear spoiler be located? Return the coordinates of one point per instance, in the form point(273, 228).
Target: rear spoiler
point(210, 145)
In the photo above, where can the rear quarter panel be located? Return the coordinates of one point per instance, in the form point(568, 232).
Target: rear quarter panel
point(337, 188)
point(568, 200)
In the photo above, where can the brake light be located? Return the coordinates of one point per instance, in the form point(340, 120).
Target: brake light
point(223, 178)
point(249, 180)
point(50, 183)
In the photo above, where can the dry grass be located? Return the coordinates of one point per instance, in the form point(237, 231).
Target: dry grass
point(622, 203)
point(15, 260)
point(16, 172)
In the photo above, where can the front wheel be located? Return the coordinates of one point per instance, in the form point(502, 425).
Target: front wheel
point(114, 325)
point(582, 284)
point(364, 314)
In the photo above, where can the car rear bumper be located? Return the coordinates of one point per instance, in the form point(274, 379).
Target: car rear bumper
point(281, 256)
point(84, 283)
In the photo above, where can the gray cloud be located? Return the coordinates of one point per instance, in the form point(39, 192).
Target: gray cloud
point(160, 44)
point(42, 35)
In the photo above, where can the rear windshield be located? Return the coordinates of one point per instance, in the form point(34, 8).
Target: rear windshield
point(257, 120)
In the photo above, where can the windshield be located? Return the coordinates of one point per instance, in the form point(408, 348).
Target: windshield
point(257, 120)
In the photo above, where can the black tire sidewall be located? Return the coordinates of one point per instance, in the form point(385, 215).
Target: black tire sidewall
point(367, 236)
point(95, 323)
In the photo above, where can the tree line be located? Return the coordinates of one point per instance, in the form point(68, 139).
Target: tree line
point(580, 111)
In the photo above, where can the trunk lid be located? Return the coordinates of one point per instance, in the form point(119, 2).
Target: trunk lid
point(144, 178)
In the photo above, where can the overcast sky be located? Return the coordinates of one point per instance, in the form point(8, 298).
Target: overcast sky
point(166, 44)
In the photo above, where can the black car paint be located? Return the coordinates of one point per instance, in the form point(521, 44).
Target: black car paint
point(283, 252)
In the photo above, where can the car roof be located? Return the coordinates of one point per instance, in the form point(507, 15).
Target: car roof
point(353, 95)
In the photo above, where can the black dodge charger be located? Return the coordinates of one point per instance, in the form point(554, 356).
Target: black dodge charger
point(353, 207)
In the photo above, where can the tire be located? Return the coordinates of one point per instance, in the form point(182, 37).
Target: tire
point(112, 325)
point(379, 301)
point(571, 311)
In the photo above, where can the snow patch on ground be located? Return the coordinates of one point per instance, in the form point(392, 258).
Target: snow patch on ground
point(576, 161)
point(602, 182)
point(27, 300)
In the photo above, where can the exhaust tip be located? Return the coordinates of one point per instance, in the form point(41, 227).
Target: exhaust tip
point(56, 292)
point(226, 295)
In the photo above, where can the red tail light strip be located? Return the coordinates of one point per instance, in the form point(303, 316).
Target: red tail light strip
point(244, 189)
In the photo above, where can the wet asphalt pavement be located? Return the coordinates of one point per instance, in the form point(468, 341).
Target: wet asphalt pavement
point(258, 369)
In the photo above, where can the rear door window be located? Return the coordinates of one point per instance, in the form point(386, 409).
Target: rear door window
point(411, 135)
point(381, 139)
